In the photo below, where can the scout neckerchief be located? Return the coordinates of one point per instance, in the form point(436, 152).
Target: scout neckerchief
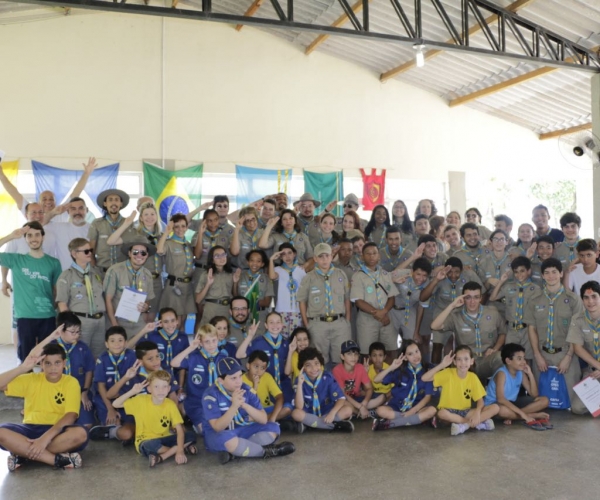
point(113, 227)
point(550, 330)
point(412, 395)
point(305, 223)
point(412, 288)
point(382, 237)
point(88, 285)
point(169, 339)
point(143, 372)
point(153, 238)
point(476, 322)
point(189, 258)
point(376, 276)
point(521, 300)
point(275, 345)
point(393, 260)
point(594, 324)
point(498, 264)
point(237, 419)
point(290, 236)
point(213, 236)
point(252, 237)
point(116, 364)
point(475, 254)
point(316, 405)
point(292, 284)
point(212, 367)
point(571, 247)
point(242, 328)
point(68, 351)
point(452, 289)
point(136, 282)
point(328, 292)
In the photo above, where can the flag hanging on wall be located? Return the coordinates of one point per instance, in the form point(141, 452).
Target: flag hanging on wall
point(175, 191)
point(62, 181)
point(256, 183)
point(325, 188)
point(373, 188)
point(8, 208)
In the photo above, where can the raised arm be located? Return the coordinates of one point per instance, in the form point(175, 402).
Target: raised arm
point(115, 238)
point(88, 168)
point(263, 242)
point(12, 191)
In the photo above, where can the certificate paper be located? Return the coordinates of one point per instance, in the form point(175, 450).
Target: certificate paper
point(127, 308)
point(588, 391)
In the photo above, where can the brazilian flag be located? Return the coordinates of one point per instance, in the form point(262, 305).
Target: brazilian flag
point(253, 296)
point(175, 191)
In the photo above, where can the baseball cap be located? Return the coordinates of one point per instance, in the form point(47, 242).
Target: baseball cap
point(350, 345)
point(228, 366)
point(322, 248)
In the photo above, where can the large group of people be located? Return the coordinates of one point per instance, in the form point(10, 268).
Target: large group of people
point(303, 321)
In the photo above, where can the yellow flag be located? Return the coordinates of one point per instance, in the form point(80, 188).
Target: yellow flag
point(9, 214)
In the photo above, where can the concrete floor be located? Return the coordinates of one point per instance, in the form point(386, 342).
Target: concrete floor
point(419, 462)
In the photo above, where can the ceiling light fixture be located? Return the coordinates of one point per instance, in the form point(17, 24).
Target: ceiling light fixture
point(419, 55)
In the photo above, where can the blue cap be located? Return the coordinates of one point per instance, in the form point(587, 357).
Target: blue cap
point(228, 366)
point(350, 345)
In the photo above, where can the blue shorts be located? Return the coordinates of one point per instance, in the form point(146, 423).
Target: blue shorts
point(193, 410)
point(269, 409)
point(215, 441)
point(86, 417)
point(153, 445)
point(34, 431)
point(102, 413)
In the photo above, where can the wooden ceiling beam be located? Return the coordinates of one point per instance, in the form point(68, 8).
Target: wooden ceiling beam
point(565, 131)
point(250, 12)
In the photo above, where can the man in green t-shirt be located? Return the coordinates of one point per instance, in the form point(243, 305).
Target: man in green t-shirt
point(34, 278)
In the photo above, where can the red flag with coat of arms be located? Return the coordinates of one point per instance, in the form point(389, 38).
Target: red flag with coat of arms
point(373, 188)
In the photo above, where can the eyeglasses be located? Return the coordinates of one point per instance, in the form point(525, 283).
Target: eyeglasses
point(74, 332)
point(220, 256)
point(239, 309)
point(87, 251)
point(499, 240)
point(348, 205)
point(143, 253)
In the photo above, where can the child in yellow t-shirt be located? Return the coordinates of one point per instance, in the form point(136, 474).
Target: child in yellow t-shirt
point(460, 389)
point(267, 390)
point(299, 340)
point(375, 364)
point(155, 415)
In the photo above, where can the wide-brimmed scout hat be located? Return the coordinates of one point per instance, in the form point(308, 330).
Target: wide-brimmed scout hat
point(105, 194)
point(351, 198)
point(308, 197)
point(127, 246)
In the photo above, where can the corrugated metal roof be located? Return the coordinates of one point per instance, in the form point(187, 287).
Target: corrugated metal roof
point(554, 101)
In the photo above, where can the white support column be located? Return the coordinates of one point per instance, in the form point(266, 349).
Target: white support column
point(595, 82)
point(457, 191)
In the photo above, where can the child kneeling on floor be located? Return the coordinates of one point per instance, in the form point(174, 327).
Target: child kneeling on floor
point(504, 388)
point(409, 404)
point(460, 389)
point(234, 422)
point(155, 415)
point(319, 401)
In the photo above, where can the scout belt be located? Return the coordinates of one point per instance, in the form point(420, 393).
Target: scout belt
point(329, 319)
point(97, 315)
point(221, 302)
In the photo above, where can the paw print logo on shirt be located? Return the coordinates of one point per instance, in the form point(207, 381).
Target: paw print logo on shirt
point(164, 421)
point(467, 394)
point(59, 398)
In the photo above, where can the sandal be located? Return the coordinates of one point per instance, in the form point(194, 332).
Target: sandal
point(191, 449)
point(154, 459)
point(546, 423)
point(535, 425)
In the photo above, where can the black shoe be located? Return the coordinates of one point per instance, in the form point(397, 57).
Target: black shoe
point(14, 462)
point(67, 461)
point(288, 425)
point(127, 442)
point(279, 449)
point(225, 457)
point(343, 426)
point(380, 424)
point(300, 427)
point(101, 432)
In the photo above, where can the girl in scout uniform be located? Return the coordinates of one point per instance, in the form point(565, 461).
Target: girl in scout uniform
point(350, 221)
point(286, 229)
point(377, 226)
point(79, 289)
point(179, 265)
point(245, 235)
point(327, 234)
point(401, 220)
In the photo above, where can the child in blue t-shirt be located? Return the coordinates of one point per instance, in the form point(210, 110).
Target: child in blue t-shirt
point(221, 323)
point(79, 362)
point(199, 362)
point(319, 401)
point(409, 404)
point(504, 387)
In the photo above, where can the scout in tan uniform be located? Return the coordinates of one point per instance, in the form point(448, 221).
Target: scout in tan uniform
point(327, 233)
point(373, 292)
point(473, 216)
point(149, 228)
point(308, 222)
point(516, 292)
point(112, 201)
point(179, 264)
point(345, 262)
point(584, 336)
point(495, 264)
point(378, 225)
point(479, 327)
point(548, 316)
point(393, 254)
point(215, 286)
point(401, 220)
point(239, 320)
point(245, 236)
point(285, 229)
point(79, 290)
point(570, 223)
point(472, 252)
point(350, 204)
point(129, 274)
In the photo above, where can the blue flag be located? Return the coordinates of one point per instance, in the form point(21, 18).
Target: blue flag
point(61, 181)
point(256, 183)
point(325, 188)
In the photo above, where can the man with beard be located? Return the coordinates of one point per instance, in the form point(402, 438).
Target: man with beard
point(34, 275)
point(305, 207)
point(239, 314)
point(112, 202)
point(64, 232)
point(472, 253)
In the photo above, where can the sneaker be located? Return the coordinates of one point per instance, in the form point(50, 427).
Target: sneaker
point(279, 449)
point(300, 427)
point(14, 462)
point(288, 425)
point(380, 424)
point(101, 432)
point(343, 426)
point(67, 461)
point(372, 414)
point(457, 429)
point(488, 425)
point(225, 457)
